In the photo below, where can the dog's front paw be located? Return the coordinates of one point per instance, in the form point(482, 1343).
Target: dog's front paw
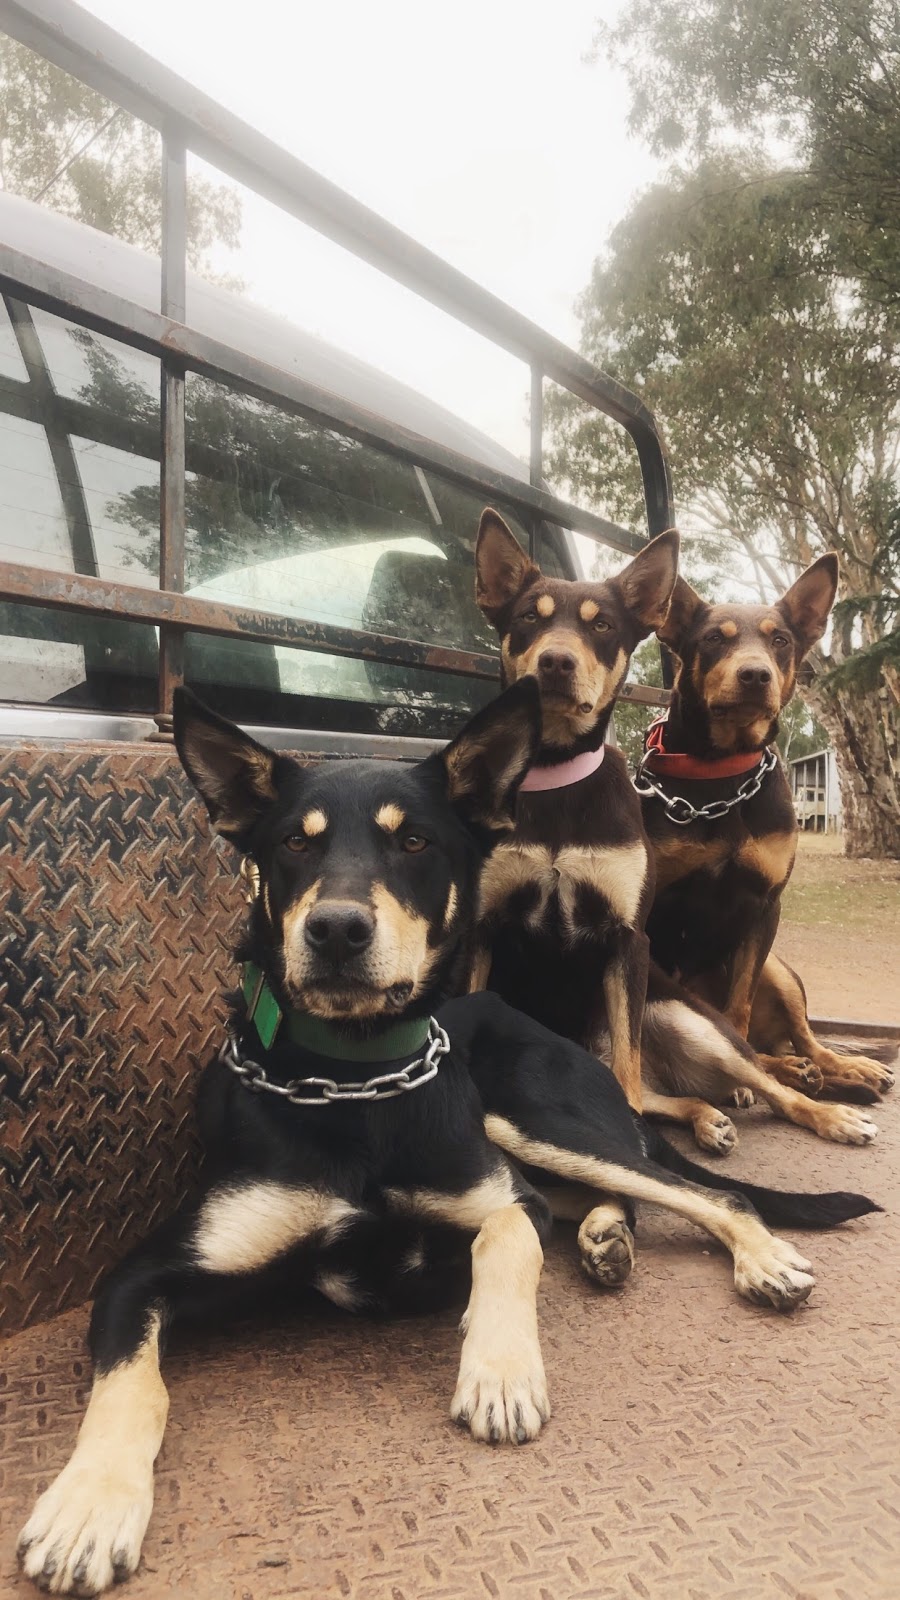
point(502, 1397)
point(858, 1077)
point(607, 1248)
point(86, 1531)
point(844, 1124)
point(715, 1132)
point(773, 1273)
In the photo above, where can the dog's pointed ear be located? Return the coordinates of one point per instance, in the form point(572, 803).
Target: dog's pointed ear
point(683, 608)
point(502, 567)
point(234, 776)
point(808, 602)
point(487, 761)
point(648, 581)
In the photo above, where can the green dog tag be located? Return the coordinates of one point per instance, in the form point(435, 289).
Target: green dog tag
point(262, 1007)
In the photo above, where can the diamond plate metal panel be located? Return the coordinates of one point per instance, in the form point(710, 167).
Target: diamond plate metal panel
point(117, 913)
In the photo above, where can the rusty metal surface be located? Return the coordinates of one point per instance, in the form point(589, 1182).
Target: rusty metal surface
point(116, 915)
point(700, 1449)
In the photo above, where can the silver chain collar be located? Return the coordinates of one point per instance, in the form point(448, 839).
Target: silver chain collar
point(326, 1091)
point(681, 811)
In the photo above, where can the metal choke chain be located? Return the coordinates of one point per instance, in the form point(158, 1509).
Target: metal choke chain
point(326, 1091)
point(681, 811)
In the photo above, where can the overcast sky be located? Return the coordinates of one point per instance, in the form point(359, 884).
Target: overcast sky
point(478, 128)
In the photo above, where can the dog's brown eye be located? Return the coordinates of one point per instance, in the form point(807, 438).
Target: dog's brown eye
point(296, 842)
point(414, 844)
point(715, 637)
point(780, 640)
point(529, 616)
point(600, 626)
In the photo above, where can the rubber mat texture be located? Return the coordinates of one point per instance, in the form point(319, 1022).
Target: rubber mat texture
point(699, 1448)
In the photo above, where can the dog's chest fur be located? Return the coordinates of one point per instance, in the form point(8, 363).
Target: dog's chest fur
point(576, 869)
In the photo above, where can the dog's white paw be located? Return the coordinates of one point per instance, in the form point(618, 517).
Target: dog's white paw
point(715, 1132)
point(86, 1531)
point(607, 1249)
point(845, 1125)
point(502, 1400)
point(773, 1273)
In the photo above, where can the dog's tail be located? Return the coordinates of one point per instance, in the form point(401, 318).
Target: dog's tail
point(777, 1207)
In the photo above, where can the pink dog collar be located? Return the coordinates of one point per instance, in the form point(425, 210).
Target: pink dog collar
point(564, 773)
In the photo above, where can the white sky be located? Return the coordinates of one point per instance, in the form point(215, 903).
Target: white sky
point(476, 127)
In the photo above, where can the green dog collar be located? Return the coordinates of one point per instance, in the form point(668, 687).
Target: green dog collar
point(324, 1038)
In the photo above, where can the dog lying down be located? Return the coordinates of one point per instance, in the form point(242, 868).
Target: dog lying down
point(366, 1137)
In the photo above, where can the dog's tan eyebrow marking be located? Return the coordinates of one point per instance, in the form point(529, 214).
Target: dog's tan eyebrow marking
point(768, 625)
point(588, 610)
point(314, 822)
point(545, 606)
point(729, 629)
point(390, 817)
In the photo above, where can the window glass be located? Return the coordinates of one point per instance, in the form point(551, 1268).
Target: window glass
point(282, 515)
point(79, 437)
point(286, 516)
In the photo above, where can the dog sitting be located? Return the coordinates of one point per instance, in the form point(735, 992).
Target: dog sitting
point(719, 879)
point(359, 1132)
point(564, 903)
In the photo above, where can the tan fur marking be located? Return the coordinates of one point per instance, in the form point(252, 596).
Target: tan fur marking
point(243, 1228)
point(759, 1258)
point(770, 626)
point(729, 629)
point(295, 952)
point(677, 855)
point(450, 911)
point(772, 856)
point(390, 817)
point(545, 606)
point(501, 1392)
point(625, 1052)
point(402, 954)
point(710, 1063)
point(588, 610)
point(467, 1210)
point(96, 1511)
point(594, 685)
point(340, 1288)
point(779, 1025)
point(617, 873)
point(481, 971)
point(315, 822)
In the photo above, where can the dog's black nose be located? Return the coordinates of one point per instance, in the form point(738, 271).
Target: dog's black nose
point(755, 677)
point(556, 661)
point(338, 930)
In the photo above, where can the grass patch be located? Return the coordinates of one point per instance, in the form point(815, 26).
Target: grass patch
point(828, 890)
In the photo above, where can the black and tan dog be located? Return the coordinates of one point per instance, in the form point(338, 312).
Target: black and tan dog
point(720, 878)
point(357, 1141)
point(564, 903)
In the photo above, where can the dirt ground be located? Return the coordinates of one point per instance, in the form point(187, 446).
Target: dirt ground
point(840, 929)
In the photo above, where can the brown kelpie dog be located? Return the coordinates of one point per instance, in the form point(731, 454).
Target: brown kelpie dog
point(717, 808)
point(564, 903)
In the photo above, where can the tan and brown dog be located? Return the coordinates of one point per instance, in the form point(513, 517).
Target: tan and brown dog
point(720, 878)
point(565, 902)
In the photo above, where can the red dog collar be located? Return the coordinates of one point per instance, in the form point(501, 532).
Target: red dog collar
point(678, 765)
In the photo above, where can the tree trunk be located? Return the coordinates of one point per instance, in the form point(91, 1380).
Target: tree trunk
point(865, 732)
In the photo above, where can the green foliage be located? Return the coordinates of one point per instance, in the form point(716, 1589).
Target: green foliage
point(752, 298)
point(68, 147)
point(818, 78)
